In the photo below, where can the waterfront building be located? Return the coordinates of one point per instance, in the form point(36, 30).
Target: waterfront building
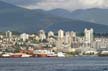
point(1, 36)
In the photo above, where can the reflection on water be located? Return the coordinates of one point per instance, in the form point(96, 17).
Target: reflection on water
point(54, 64)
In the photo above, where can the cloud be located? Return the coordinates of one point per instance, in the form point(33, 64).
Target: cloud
point(53, 4)
point(94, 3)
point(64, 4)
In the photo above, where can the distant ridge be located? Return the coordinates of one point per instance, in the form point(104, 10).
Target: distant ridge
point(97, 15)
point(78, 26)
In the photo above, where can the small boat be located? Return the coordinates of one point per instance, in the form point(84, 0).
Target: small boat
point(52, 55)
point(16, 55)
point(60, 54)
point(25, 55)
point(7, 55)
point(42, 55)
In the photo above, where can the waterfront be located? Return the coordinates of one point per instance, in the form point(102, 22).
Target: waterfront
point(54, 64)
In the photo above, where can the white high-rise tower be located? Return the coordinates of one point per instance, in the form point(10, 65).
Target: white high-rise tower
point(50, 33)
point(88, 35)
point(42, 35)
point(60, 34)
point(8, 34)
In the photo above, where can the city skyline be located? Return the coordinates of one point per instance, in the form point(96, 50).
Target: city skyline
point(49, 44)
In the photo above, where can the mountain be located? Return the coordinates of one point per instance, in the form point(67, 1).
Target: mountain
point(60, 12)
point(78, 26)
point(14, 18)
point(95, 15)
point(19, 19)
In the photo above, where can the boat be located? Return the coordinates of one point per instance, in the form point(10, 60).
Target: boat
point(16, 55)
point(60, 54)
point(41, 53)
point(51, 54)
point(25, 55)
point(45, 53)
point(6, 55)
point(103, 53)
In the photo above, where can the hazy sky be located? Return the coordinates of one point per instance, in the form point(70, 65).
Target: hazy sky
point(64, 4)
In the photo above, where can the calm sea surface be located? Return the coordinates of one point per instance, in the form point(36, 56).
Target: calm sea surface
point(54, 64)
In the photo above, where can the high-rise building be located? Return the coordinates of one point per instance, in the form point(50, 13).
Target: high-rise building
point(60, 34)
point(24, 36)
point(8, 34)
point(73, 36)
point(42, 35)
point(67, 38)
point(50, 33)
point(88, 35)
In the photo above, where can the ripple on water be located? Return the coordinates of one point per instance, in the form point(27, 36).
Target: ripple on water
point(54, 64)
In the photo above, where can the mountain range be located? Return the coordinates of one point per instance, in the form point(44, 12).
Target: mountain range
point(95, 15)
point(19, 19)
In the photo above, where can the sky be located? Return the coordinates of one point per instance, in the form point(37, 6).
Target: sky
point(63, 4)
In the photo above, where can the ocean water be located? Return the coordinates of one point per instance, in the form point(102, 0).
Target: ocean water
point(54, 64)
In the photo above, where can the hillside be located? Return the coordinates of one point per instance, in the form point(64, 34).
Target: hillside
point(96, 15)
point(78, 26)
point(19, 19)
